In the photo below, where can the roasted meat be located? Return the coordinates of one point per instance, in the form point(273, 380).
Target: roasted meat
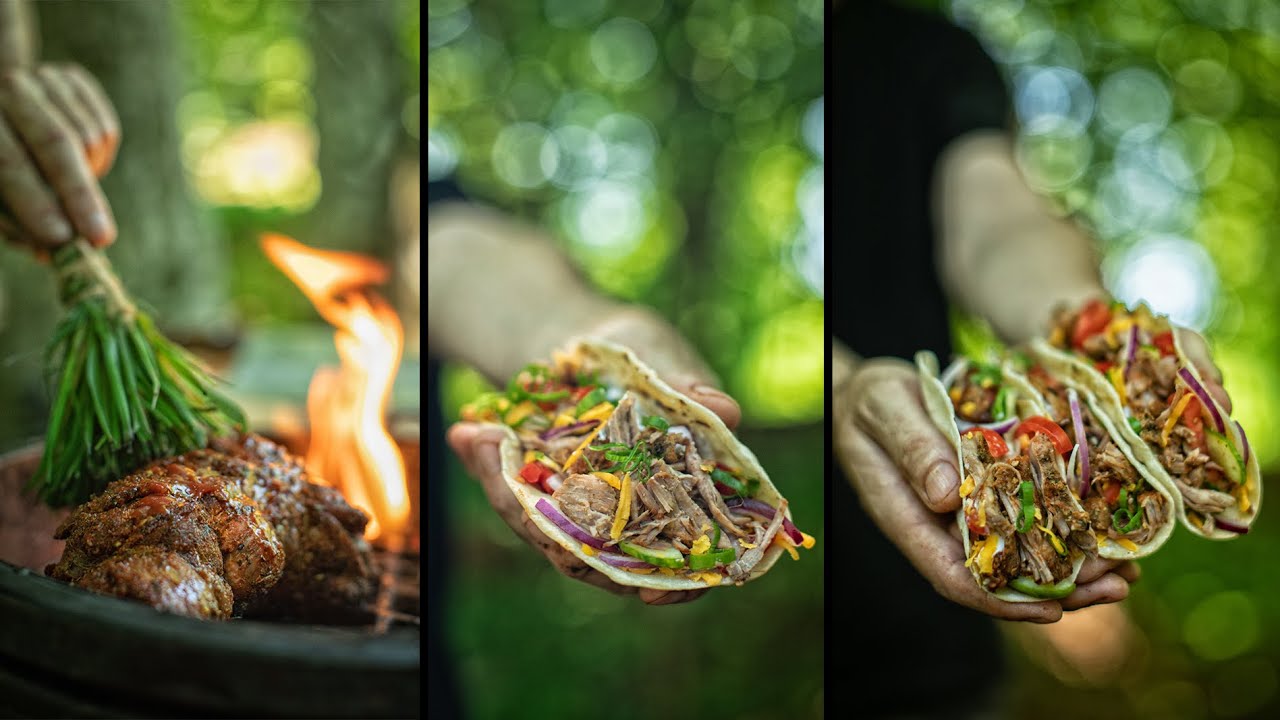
point(237, 527)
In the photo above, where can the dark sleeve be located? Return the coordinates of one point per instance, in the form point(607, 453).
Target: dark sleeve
point(441, 190)
point(970, 90)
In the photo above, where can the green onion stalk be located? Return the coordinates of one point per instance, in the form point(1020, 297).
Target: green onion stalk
point(123, 394)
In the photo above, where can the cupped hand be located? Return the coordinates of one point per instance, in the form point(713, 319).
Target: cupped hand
point(58, 135)
point(905, 474)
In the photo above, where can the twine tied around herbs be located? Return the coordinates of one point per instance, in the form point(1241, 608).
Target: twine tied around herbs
point(84, 273)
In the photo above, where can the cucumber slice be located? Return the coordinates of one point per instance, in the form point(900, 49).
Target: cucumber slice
point(663, 557)
point(1027, 586)
point(1225, 454)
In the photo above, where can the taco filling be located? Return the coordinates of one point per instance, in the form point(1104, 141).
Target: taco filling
point(1122, 506)
point(1163, 402)
point(633, 488)
point(1025, 526)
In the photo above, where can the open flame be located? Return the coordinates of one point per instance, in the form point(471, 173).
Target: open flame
point(350, 447)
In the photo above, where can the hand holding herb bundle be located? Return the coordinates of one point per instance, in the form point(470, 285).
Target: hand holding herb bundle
point(125, 395)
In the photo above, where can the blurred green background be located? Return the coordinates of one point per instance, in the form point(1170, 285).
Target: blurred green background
point(674, 150)
point(1156, 123)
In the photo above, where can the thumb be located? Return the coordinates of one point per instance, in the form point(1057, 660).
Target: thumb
point(703, 393)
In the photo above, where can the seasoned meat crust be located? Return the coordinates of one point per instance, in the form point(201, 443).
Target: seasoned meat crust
point(238, 526)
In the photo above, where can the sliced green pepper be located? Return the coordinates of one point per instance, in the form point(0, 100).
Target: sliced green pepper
point(657, 423)
point(998, 410)
point(1136, 424)
point(730, 482)
point(708, 560)
point(588, 401)
point(1028, 506)
point(1027, 586)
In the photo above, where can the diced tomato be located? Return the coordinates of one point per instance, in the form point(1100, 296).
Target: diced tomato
point(535, 473)
point(971, 516)
point(995, 444)
point(1193, 419)
point(1111, 492)
point(1104, 365)
point(1093, 318)
point(581, 392)
point(726, 468)
point(1051, 429)
point(1164, 342)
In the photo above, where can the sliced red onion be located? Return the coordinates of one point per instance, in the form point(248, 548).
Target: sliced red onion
point(1001, 427)
point(1244, 441)
point(1082, 442)
point(1230, 526)
point(1205, 399)
point(766, 511)
point(567, 525)
point(1130, 351)
point(622, 561)
point(565, 429)
point(553, 482)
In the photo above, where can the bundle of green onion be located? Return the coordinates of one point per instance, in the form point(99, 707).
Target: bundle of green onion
point(125, 395)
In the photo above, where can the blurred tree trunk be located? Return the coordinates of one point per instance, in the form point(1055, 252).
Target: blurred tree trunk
point(167, 253)
point(358, 92)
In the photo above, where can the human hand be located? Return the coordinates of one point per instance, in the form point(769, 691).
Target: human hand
point(58, 134)
point(658, 344)
point(905, 474)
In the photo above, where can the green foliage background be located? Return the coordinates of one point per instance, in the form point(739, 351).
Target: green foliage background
point(674, 151)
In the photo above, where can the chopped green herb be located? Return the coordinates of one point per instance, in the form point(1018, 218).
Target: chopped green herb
point(657, 423)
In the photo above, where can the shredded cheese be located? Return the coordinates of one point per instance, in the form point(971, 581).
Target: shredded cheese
point(982, 516)
point(1127, 544)
point(710, 578)
point(599, 412)
point(1195, 520)
point(1117, 381)
point(542, 458)
point(1173, 418)
point(610, 478)
point(954, 394)
point(624, 509)
point(667, 571)
point(974, 551)
point(1053, 540)
point(520, 412)
point(747, 545)
point(530, 456)
point(988, 555)
point(563, 419)
point(966, 487)
point(783, 540)
point(1242, 497)
point(573, 456)
point(588, 549)
point(807, 540)
point(1057, 337)
point(701, 545)
point(969, 407)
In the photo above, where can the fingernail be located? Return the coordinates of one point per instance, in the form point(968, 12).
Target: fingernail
point(938, 485)
point(56, 228)
point(100, 227)
point(704, 389)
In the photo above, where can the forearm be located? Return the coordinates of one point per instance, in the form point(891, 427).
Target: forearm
point(501, 295)
point(18, 39)
point(1004, 254)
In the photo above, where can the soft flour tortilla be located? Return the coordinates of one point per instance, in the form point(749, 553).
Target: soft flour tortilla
point(1110, 549)
point(617, 366)
point(938, 404)
point(1086, 379)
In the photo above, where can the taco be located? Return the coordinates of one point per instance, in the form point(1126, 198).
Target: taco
point(1133, 365)
point(634, 478)
point(1025, 533)
point(1131, 511)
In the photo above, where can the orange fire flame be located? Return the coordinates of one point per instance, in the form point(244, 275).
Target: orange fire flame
point(350, 447)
